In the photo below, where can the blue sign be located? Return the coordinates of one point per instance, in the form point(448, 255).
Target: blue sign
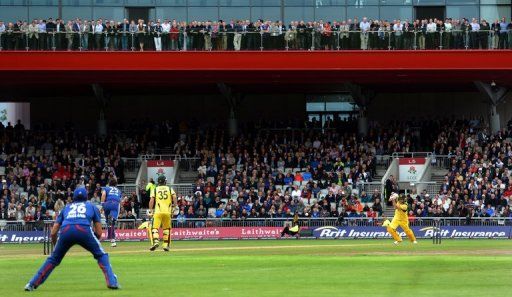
point(420, 232)
point(21, 236)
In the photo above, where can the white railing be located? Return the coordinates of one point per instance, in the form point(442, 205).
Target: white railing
point(131, 164)
point(183, 189)
point(128, 189)
point(431, 188)
point(443, 161)
point(411, 154)
point(369, 187)
point(304, 222)
point(186, 163)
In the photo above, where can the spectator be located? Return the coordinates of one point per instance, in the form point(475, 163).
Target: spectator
point(181, 219)
point(129, 216)
point(179, 35)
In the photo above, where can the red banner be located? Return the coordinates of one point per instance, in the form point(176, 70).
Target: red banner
point(204, 233)
point(412, 161)
point(127, 234)
point(160, 163)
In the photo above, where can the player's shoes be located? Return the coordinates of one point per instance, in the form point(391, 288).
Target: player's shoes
point(415, 242)
point(166, 249)
point(29, 287)
point(113, 243)
point(154, 247)
point(115, 286)
point(397, 242)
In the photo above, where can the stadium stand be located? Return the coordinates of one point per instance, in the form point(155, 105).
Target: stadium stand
point(316, 174)
point(270, 170)
point(478, 182)
point(41, 168)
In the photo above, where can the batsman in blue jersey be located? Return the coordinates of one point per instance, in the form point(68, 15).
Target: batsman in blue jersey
point(111, 201)
point(74, 227)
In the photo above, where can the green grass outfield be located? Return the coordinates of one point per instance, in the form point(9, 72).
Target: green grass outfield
point(274, 268)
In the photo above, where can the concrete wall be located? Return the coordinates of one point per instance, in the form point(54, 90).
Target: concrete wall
point(83, 112)
point(409, 105)
point(212, 108)
point(390, 106)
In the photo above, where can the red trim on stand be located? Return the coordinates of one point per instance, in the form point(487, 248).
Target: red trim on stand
point(271, 60)
point(402, 68)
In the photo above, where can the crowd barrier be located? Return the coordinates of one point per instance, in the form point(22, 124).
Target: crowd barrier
point(319, 228)
point(184, 163)
point(109, 40)
point(131, 164)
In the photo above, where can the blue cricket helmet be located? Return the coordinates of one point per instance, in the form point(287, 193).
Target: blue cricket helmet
point(80, 194)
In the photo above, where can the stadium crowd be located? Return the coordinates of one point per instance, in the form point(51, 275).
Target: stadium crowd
point(172, 35)
point(41, 168)
point(272, 175)
point(271, 170)
point(478, 181)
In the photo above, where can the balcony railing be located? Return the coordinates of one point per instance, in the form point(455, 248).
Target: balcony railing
point(207, 40)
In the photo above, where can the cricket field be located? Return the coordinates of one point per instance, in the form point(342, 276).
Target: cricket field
point(273, 268)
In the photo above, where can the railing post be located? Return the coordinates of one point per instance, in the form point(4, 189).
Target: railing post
point(261, 40)
point(466, 45)
point(80, 41)
point(313, 40)
point(133, 41)
point(106, 41)
point(490, 40)
point(415, 47)
point(389, 41)
point(27, 48)
point(441, 39)
point(53, 41)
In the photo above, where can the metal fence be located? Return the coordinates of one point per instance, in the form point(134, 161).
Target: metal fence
point(384, 160)
point(442, 161)
point(369, 187)
point(183, 189)
point(21, 226)
point(333, 221)
point(180, 189)
point(432, 188)
point(279, 222)
point(158, 157)
point(132, 164)
point(411, 154)
point(128, 189)
point(126, 224)
point(436, 161)
point(112, 39)
point(188, 164)
point(184, 163)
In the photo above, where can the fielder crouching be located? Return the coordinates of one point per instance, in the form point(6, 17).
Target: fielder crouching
point(74, 226)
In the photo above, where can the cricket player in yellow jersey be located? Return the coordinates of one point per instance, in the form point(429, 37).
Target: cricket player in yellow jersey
point(399, 220)
point(162, 198)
